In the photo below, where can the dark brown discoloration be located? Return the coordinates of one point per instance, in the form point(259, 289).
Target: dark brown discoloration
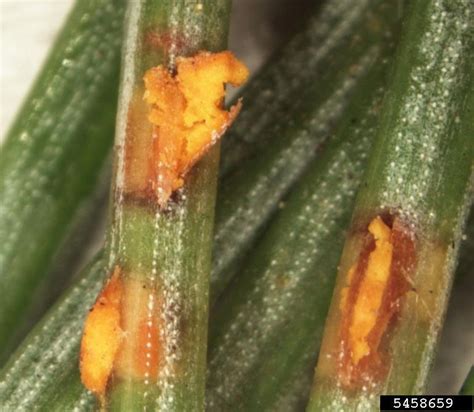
point(373, 366)
point(166, 41)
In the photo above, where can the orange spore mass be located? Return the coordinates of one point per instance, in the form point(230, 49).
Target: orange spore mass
point(101, 337)
point(371, 301)
point(186, 115)
point(121, 334)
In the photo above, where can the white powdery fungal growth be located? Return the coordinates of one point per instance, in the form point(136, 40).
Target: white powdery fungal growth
point(427, 104)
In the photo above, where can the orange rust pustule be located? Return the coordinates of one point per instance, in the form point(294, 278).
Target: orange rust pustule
point(355, 372)
point(121, 334)
point(180, 119)
point(102, 336)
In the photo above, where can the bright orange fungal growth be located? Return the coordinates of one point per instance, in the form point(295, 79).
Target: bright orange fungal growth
point(102, 337)
point(369, 303)
point(371, 290)
point(185, 111)
point(121, 334)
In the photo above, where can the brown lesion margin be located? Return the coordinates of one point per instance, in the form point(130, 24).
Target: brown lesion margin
point(375, 366)
point(144, 133)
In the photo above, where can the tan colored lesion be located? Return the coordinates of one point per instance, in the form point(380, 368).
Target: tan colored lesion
point(370, 301)
point(121, 334)
point(141, 351)
point(176, 121)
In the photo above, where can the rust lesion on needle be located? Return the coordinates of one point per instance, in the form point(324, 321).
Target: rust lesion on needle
point(184, 118)
point(371, 300)
point(121, 336)
point(173, 121)
point(102, 336)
